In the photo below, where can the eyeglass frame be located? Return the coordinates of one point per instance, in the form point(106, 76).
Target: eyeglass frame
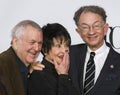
point(87, 28)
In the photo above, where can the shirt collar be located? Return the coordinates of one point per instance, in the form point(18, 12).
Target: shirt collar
point(99, 50)
point(21, 65)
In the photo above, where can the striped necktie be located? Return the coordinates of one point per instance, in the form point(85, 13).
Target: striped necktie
point(90, 74)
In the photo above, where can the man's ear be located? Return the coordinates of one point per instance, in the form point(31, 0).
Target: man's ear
point(77, 30)
point(106, 26)
point(14, 42)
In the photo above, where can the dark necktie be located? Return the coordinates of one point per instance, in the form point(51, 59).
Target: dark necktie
point(90, 75)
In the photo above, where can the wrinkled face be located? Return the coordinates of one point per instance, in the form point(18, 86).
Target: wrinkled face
point(57, 51)
point(29, 46)
point(92, 29)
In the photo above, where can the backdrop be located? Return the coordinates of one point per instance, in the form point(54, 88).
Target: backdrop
point(50, 11)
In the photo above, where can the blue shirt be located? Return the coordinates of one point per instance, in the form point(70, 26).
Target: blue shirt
point(24, 72)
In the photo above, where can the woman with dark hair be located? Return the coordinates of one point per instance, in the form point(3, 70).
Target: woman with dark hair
point(53, 79)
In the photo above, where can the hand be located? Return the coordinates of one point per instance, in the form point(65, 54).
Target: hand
point(64, 66)
point(36, 66)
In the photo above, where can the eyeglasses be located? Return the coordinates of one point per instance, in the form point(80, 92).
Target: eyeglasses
point(95, 26)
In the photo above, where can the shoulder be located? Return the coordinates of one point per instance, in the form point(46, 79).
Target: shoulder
point(37, 74)
point(8, 54)
point(8, 59)
point(112, 51)
point(113, 55)
point(78, 48)
point(40, 75)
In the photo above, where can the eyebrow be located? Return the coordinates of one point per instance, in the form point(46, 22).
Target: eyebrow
point(92, 24)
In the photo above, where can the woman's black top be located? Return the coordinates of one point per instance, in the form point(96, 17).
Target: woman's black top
point(48, 82)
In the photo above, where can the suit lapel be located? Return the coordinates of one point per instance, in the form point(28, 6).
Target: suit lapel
point(81, 68)
point(14, 73)
point(108, 66)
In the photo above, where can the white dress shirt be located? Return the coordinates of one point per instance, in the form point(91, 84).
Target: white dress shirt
point(99, 59)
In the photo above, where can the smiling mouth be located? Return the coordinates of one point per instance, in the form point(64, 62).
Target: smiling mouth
point(92, 37)
point(34, 53)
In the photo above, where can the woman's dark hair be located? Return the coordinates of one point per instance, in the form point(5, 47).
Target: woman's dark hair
point(57, 31)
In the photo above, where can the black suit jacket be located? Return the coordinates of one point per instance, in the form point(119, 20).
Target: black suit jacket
point(108, 82)
point(48, 82)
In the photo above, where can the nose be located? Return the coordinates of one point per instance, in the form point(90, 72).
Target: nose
point(65, 49)
point(91, 31)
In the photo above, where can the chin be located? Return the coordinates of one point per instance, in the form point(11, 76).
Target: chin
point(32, 60)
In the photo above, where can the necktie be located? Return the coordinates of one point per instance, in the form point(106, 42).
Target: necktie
point(90, 74)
